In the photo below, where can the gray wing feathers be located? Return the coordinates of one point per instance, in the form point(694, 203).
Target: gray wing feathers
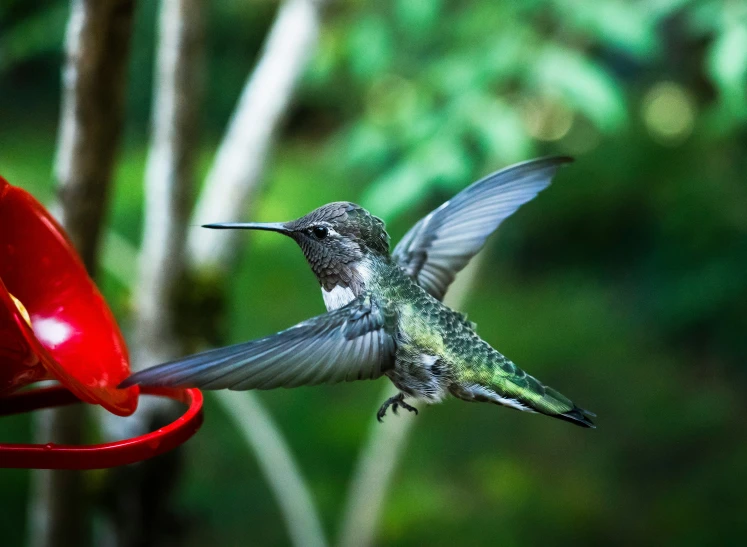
point(344, 345)
point(442, 243)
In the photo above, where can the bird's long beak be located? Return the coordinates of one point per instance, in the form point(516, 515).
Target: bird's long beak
point(268, 226)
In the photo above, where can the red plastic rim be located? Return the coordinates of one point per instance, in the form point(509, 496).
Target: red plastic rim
point(96, 456)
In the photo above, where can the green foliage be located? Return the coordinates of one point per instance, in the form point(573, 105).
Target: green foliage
point(443, 106)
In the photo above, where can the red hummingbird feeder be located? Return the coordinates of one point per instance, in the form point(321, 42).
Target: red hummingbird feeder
point(55, 325)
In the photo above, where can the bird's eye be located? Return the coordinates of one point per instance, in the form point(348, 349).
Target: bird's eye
point(320, 232)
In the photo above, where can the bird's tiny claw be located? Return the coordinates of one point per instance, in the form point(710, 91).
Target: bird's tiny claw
point(408, 407)
point(382, 412)
point(395, 402)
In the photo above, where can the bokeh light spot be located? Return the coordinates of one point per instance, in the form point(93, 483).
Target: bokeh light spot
point(669, 113)
point(546, 119)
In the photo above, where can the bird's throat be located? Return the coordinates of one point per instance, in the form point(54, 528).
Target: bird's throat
point(355, 280)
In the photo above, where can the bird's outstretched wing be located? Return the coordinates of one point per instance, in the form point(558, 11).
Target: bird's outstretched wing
point(346, 344)
point(442, 243)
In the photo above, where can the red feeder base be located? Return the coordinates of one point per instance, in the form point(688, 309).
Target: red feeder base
point(97, 456)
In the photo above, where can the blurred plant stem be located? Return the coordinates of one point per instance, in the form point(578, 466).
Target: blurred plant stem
point(138, 497)
point(169, 177)
point(385, 444)
point(278, 465)
point(91, 118)
point(236, 173)
point(231, 185)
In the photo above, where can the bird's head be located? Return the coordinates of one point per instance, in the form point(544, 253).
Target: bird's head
point(338, 239)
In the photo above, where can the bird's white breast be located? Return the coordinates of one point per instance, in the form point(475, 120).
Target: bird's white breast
point(337, 297)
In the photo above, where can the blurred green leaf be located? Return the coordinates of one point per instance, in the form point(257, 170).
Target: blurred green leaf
point(456, 74)
point(500, 130)
point(586, 87)
point(445, 162)
point(627, 26)
point(727, 66)
point(326, 59)
point(367, 146)
point(396, 190)
point(505, 54)
point(418, 17)
point(371, 47)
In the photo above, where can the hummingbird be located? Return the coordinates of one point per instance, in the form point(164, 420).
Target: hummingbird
point(385, 315)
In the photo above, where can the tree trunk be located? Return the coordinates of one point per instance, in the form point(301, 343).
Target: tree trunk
point(93, 95)
point(232, 184)
point(93, 78)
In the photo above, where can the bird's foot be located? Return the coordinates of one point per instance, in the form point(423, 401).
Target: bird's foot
point(395, 402)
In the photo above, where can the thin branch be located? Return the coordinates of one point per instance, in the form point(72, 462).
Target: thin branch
point(278, 465)
point(169, 177)
point(236, 173)
point(169, 184)
point(97, 48)
point(373, 475)
point(231, 185)
point(381, 452)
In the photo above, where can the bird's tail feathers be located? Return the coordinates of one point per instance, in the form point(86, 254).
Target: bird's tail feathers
point(555, 404)
point(578, 416)
point(524, 392)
